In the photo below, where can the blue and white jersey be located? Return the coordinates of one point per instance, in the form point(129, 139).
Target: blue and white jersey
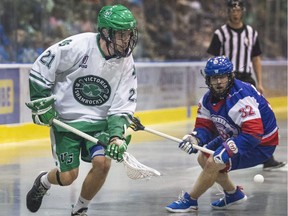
point(244, 116)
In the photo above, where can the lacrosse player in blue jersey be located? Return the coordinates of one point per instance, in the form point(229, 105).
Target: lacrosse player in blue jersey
point(237, 123)
point(240, 43)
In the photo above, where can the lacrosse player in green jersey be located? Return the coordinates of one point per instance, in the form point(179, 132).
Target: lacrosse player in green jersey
point(89, 82)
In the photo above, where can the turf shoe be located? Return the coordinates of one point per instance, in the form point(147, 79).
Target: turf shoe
point(35, 195)
point(272, 164)
point(80, 212)
point(183, 204)
point(230, 199)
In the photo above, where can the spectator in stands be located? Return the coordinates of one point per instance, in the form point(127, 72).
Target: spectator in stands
point(4, 46)
point(24, 52)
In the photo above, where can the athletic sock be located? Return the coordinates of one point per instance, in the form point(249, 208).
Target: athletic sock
point(193, 198)
point(231, 192)
point(45, 182)
point(81, 203)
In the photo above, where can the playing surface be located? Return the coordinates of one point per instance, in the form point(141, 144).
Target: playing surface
point(121, 196)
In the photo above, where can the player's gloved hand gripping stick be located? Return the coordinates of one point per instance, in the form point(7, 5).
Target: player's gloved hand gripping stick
point(42, 110)
point(136, 125)
point(134, 169)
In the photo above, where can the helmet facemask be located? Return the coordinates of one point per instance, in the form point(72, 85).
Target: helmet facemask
point(119, 43)
point(216, 94)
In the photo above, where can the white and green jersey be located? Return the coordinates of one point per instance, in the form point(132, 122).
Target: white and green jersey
point(87, 87)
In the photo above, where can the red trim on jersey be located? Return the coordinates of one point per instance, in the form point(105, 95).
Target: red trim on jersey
point(205, 123)
point(271, 140)
point(218, 105)
point(254, 127)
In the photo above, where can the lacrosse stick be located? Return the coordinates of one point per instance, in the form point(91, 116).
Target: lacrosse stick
point(134, 169)
point(136, 125)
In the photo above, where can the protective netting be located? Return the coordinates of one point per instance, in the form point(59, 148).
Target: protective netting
point(136, 170)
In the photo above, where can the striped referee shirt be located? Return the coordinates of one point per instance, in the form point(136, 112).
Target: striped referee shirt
point(239, 45)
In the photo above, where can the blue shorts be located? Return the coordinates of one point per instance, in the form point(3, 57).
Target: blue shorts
point(259, 155)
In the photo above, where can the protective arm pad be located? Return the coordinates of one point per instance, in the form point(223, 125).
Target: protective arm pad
point(203, 135)
point(215, 143)
point(117, 125)
point(231, 147)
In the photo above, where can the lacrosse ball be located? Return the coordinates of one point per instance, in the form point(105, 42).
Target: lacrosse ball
point(258, 178)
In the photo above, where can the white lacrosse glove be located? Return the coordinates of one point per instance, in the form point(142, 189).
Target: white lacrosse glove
point(42, 110)
point(187, 144)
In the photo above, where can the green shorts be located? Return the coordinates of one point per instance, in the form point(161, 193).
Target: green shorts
point(67, 148)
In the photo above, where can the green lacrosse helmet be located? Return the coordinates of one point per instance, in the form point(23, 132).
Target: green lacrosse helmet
point(112, 19)
point(116, 17)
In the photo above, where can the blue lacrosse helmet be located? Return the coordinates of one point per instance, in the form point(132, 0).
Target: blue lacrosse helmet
point(218, 66)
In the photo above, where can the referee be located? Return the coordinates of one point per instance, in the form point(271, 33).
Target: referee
point(240, 43)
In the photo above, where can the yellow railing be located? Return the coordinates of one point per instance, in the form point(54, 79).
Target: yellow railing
point(30, 131)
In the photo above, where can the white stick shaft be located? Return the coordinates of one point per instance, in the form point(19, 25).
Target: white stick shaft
point(94, 140)
point(177, 140)
point(76, 131)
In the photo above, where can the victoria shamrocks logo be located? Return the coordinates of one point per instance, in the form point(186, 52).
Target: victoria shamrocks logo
point(91, 90)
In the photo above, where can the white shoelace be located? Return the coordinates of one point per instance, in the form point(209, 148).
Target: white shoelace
point(181, 198)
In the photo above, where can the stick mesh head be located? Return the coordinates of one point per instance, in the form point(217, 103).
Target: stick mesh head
point(136, 170)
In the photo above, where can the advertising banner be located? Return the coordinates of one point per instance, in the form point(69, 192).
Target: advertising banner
point(9, 96)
